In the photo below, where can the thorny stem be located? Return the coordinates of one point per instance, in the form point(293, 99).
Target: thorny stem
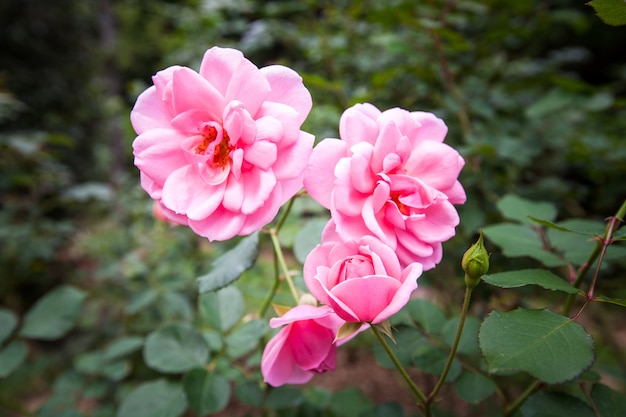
point(512, 408)
point(420, 396)
point(606, 241)
point(599, 251)
point(455, 346)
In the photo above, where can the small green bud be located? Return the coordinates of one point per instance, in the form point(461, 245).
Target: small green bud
point(475, 262)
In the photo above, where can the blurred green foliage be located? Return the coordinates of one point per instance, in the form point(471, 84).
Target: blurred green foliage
point(534, 94)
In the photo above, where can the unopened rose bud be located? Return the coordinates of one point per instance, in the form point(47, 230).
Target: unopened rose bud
point(475, 262)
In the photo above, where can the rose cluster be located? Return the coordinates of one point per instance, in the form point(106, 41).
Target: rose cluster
point(221, 150)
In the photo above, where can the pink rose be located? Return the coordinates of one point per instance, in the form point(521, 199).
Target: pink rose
point(390, 176)
point(361, 279)
point(221, 150)
point(304, 347)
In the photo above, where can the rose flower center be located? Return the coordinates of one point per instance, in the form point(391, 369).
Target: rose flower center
point(220, 148)
point(395, 197)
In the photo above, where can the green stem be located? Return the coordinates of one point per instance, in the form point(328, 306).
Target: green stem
point(455, 345)
point(270, 295)
point(512, 408)
point(420, 396)
point(285, 213)
point(278, 250)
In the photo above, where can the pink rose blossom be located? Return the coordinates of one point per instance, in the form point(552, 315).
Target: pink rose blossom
point(361, 279)
point(390, 176)
point(221, 150)
point(304, 347)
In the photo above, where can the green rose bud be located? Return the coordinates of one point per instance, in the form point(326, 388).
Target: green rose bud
point(475, 262)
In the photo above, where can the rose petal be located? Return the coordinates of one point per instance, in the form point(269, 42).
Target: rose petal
point(248, 85)
point(319, 175)
point(358, 124)
point(221, 225)
point(291, 162)
point(191, 91)
point(277, 364)
point(352, 300)
point(434, 163)
point(259, 184)
point(287, 88)
point(402, 296)
point(218, 66)
point(184, 192)
point(431, 128)
point(149, 112)
point(158, 153)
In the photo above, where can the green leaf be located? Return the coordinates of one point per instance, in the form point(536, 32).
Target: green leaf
point(175, 348)
point(11, 357)
point(516, 208)
point(616, 301)
point(284, 397)
point(550, 347)
point(474, 388)
point(175, 307)
point(116, 370)
point(121, 347)
point(350, 402)
point(154, 399)
point(249, 393)
point(540, 277)
point(207, 393)
point(519, 240)
point(576, 244)
point(388, 409)
point(222, 309)
point(469, 338)
point(427, 314)
point(432, 360)
point(609, 403)
point(54, 315)
point(95, 363)
point(551, 102)
point(307, 238)
point(555, 404)
point(8, 322)
point(550, 225)
point(245, 338)
point(214, 339)
point(88, 362)
point(228, 267)
point(320, 397)
point(579, 226)
point(141, 301)
point(600, 101)
point(612, 12)
point(620, 234)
